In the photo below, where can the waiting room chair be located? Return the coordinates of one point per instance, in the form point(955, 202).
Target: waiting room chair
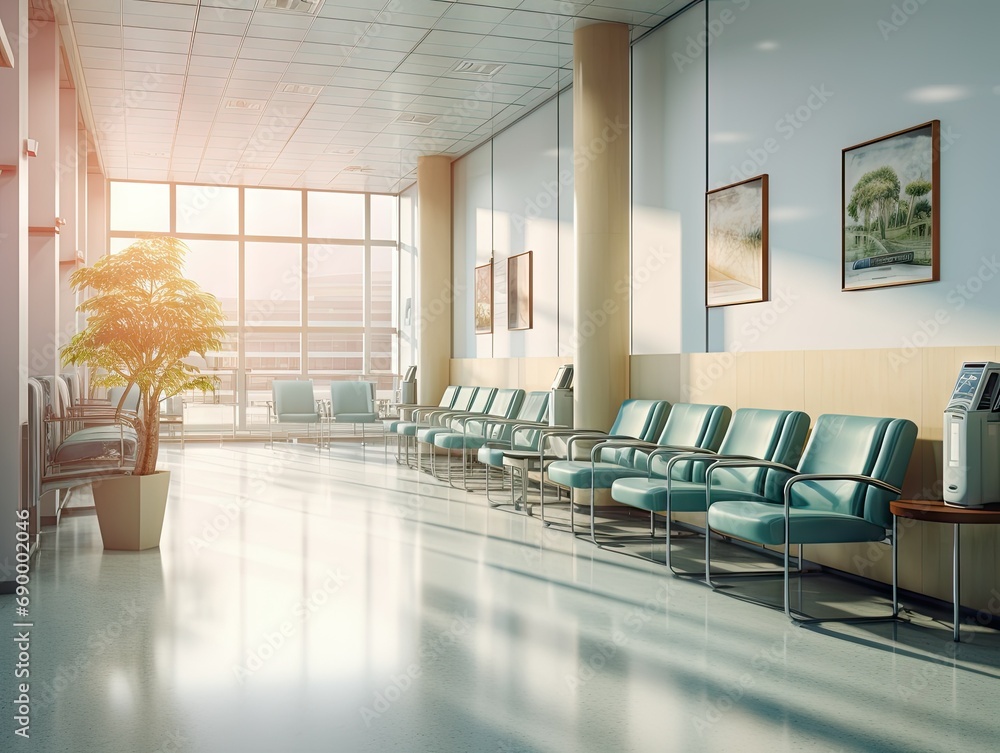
point(772, 435)
point(294, 402)
point(389, 427)
point(521, 433)
point(444, 422)
point(850, 470)
point(353, 403)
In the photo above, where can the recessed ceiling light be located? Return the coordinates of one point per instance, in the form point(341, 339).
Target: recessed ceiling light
point(254, 166)
point(150, 154)
point(344, 150)
point(416, 118)
point(359, 169)
point(306, 89)
point(477, 68)
point(308, 7)
point(244, 104)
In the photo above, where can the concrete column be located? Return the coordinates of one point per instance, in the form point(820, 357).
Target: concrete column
point(601, 155)
point(13, 280)
point(435, 289)
point(43, 208)
point(69, 235)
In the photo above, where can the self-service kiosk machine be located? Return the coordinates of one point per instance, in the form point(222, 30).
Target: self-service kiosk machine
point(972, 437)
point(408, 387)
point(561, 399)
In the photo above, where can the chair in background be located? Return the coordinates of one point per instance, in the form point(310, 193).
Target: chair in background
point(353, 403)
point(518, 434)
point(688, 427)
point(850, 471)
point(294, 402)
point(407, 410)
point(772, 435)
point(445, 422)
point(131, 401)
point(424, 417)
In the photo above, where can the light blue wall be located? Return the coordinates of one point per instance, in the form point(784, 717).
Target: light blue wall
point(807, 79)
point(511, 195)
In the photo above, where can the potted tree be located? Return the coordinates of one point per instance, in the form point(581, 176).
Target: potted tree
point(143, 319)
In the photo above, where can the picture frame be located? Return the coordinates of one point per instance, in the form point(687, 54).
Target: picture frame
point(483, 311)
point(736, 243)
point(890, 209)
point(519, 291)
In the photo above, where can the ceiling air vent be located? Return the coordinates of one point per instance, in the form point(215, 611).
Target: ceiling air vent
point(305, 7)
point(416, 118)
point(359, 169)
point(341, 150)
point(476, 68)
point(244, 104)
point(307, 90)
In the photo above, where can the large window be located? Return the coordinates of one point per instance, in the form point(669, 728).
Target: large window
point(308, 279)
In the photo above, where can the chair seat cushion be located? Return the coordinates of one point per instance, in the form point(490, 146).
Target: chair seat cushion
point(298, 418)
point(764, 523)
point(427, 433)
point(456, 441)
point(651, 494)
point(408, 428)
point(356, 418)
point(491, 456)
point(95, 442)
point(578, 474)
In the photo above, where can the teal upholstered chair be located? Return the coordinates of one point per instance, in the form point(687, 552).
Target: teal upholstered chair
point(294, 402)
point(131, 401)
point(772, 435)
point(850, 470)
point(641, 420)
point(424, 417)
point(470, 432)
point(688, 427)
point(389, 427)
point(444, 422)
point(519, 433)
point(352, 403)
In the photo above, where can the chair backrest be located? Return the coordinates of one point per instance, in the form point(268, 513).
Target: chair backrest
point(131, 402)
point(448, 396)
point(483, 399)
point(534, 408)
point(293, 397)
point(351, 397)
point(876, 447)
point(639, 419)
point(687, 425)
point(505, 404)
point(464, 398)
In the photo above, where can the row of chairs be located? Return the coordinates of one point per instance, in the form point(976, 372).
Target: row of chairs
point(752, 473)
point(294, 402)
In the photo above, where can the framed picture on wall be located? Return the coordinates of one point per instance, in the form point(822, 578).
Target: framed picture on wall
point(519, 302)
point(736, 246)
point(890, 209)
point(484, 299)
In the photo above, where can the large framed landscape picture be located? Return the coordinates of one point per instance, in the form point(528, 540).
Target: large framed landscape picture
point(519, 296)
point(736, 245)
point(890, 209)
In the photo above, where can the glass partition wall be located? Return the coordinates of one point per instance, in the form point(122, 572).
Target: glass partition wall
point(308, 281)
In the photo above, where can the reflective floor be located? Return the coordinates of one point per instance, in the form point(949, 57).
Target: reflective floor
point(314, 602)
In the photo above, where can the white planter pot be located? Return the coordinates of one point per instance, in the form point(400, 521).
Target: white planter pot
point(130, 510)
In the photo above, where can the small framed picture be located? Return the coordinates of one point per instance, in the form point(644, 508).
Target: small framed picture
point(890, 209)
point(484, 299)
point(519, 302)
point(736, 246)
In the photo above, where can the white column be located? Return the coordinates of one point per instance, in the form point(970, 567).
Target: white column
point(13, 280)
point(601, 185)
point(435, 289)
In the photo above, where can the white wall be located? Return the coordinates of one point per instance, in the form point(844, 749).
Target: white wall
point(511, 195)
point(853, 70)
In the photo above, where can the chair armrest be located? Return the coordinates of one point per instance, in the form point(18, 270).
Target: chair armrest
point(798, 478)
point(585, 436)
point(756, 463)
point(658, 449)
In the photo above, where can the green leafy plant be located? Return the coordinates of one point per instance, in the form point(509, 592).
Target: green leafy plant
point(143, 319)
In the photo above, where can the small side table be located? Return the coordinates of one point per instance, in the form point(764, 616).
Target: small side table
point(936, 511)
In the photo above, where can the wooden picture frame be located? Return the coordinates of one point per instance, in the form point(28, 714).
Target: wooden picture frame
point(890, 209)
point(483, 312)
point(736, 243)
point(519, 292)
